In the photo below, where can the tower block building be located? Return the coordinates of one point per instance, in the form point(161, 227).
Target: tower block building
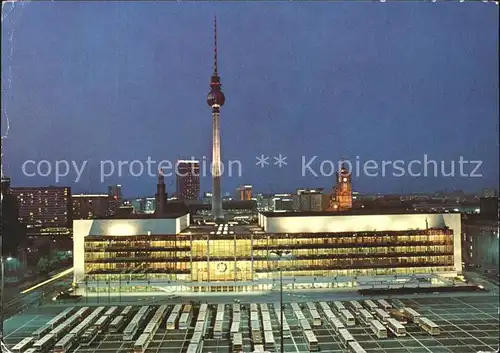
point(341, 198)
point(215, 100)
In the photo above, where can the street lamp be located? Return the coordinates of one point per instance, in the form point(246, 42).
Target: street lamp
point(281, 254)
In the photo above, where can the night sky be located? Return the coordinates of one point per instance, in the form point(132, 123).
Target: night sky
point(124, 81)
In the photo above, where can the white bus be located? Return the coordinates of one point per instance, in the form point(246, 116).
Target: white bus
point(338, 306)
point(126, 311)
point(324, 306)
point(264, 307)
point(44, 343)
point(237, 343)
point(304, 324)
point(31, 350)
point(355, 347)
point(345, 337)
point(370, 306)
point(299, 315)
point(382, 315)
point(221, 307)
point(258, 348)
point(193, 348)
point(254, 316)
point(42, 331)
point(269, 341)
point(355, 306)
point(266, 316)
point(378, 329)
point(428, 326)
point(237, 316)
point(295, 306)
point(60, 317)
point(316, 319)
point(311, 306)
point(23, 345)
point(311, 341)
point(254, 308)
point(117, 324)
point(347, 317)
point(336, 323)
point(384, 304)
point(396, 327)
point(196, 338)
point(111, 311)
point(236, 308)
point(89, 336)
point(412, 314)
point(102, 322)
point(365, 316)
point(398, 304)
point(172, 320)
point(267, 325)
point(218, 329)
point(184, 321)
point(142, 343)
point(200, 327)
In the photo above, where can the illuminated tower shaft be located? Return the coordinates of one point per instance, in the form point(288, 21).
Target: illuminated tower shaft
point(215, 100)
point(216, 165)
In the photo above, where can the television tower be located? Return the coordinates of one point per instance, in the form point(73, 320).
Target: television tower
point(215, 100)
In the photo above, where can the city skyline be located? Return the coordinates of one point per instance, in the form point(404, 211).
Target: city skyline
point(339, 86)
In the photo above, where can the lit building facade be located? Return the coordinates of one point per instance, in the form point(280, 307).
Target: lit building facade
point(188, 180)
point(328, 250)
point(45, 210)
point(309, 200)
point(244, 193)
point(342, 192)
point(283, 202)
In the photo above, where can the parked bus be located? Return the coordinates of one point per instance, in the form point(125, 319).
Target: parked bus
point(345, 337)
point(44, 343)
point(221, 307)
point(258, 348)
point(269, 341)
point(365, 316)
point(311, 341)
point(428, 326)
point(382, 315)
point(264, 307)
point(324, 306)
point(102, 323)
point(316, 319)
point(42, 331)
point(126, 311)
point(370, 306)
point(196, 338)
point(23, 345)
point(295, 306)
point(347, 317)
point(64, 344)
point(378, 329)
point(355, 306)
point(236, 308)
point(355, 347)
point(237, 343)
point(412, 314)
point(172, 319)
point(117, 324)
point(398, 304)
point(396, 327)
point(59, 318)
point(218, 329)
point(304, 324)
point(89, 336)
point(193, 348)
point(184, 321)
point(267, 325)
point(336, 324)
point(338, 306)
point(384, 304)
point(299, 315)
point(31, 350)
point(311, 306)
point(111, 311)
point(142, 343)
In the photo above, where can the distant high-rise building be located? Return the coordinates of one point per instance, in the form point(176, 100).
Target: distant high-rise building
point(207, 198)
point(115, 191)
point(310, 199)
point(283, 202)
point(88, 206)
point(45, 210)
point(188, 180)
point(489, 193)
point(342, 192)
point(161, 197)
point(244, 193)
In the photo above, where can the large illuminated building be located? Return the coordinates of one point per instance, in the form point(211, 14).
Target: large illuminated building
point(342, 192)
point(329, 249)
point(188, 180)
point(45, 210)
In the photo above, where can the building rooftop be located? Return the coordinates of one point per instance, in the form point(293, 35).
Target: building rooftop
point(353, 212)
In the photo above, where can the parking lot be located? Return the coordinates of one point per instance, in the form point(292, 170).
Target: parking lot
point(468, 324)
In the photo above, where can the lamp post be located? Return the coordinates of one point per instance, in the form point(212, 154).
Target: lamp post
point(281, 254)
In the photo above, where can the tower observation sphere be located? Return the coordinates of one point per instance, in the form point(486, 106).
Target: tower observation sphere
point(216, 97)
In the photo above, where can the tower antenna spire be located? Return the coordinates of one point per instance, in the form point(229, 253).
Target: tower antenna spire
point(215, 46)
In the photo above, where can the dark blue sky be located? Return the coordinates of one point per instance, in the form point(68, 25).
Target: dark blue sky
point(124, 81)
